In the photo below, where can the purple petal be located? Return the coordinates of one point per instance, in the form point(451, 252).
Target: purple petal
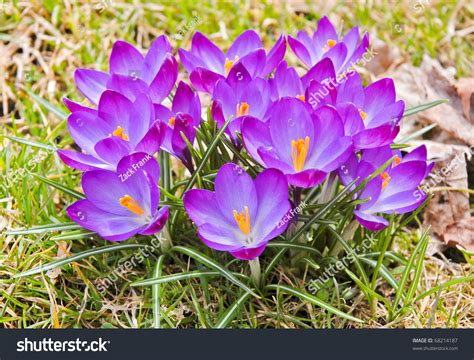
point(159, 221)
point(371, 222)
point(74, 106)
point(154, 58)
point(254, 62)
point(114, 108)
point(189, 60)
point(249, 253)
point(208, 52)
point(245, 43)
point(108, 225)
point(306, 178)
point(201, 208)
point(129, 86)
point(374, 138)
point(153, 139)
point(87, 129)
point(204, 79)
point(219, 238)
point(91, 83)
point(164, 81)
point(142, 115)
point(139, 161)
point(82, 162)
point(234, 191)
point(187, 101)
point(255, 134)
point(125, 58)
point(275, 56)
point(378, 95)
point(300, 50)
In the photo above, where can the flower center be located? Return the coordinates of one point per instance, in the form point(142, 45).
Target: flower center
point(242, 109)
point(396, 161)
point(171, 121)
point(128, 202)
point(119, 132)
point(229, 64)
point(386, 179)
point(362, 114)
point(243, 220)
point(329, 45)
point(299, 150)
point(301, 97)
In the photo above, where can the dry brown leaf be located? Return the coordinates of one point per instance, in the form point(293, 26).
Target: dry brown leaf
point(448, 213)
point(429, 82)
point(465, 88)
point(62, 253)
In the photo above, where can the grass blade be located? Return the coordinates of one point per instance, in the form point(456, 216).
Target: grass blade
point(82, 255)
point(61, 187)
point(423, 107)
point(214, 265)
point(48, 106)
point(175, 277)
point(44, 228)
point(156, 293)
point(231, 313)
point(314, 300)
point(31, 143)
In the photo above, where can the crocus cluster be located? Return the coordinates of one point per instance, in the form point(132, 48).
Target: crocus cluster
point(299, 126)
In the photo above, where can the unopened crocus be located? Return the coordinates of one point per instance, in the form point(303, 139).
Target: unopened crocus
point(304, 146)
point(240, 96)
point(242, 215)
point(183, 117)
point(131, 73)
point(117, 128)
point(206, 63)
point(395, 191)
point(120, 204)
point(344, 52)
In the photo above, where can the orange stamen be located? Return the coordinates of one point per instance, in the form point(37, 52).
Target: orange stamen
point(299, 150)
point(119, 132)
point(128, 202)
point(363, 115)
point(329, 44)
point(171, 121)
point(243, 220)
point(301, 97)
point(229, 64)
point(242, 109)
point(386, 179)
point(396, 161)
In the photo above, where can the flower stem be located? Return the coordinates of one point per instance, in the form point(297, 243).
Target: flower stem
point(255, 272)
point(165, 240)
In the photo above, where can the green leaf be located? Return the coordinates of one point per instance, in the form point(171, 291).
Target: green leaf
point(232, 312)
point(44, 228)
point(424, 107)
point(73, 235)
point(82, 255)
point(175, 277)
point(31, 143)
point(50, 107)
point(156, 293)
point(416, 134)
point(314, 300)
point(288, 245)
point(214, 265)
point(61, 187)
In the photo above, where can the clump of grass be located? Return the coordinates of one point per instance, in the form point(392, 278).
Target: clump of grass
point(392, 284)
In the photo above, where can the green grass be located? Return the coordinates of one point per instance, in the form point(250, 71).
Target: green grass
point(392, 284)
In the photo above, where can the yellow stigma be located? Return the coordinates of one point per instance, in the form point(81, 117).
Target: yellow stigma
point(171, 121)
point(329, 45)
point(128, 202)
point(301, 97)
point(396, 161)
point(363, 115)
point(299, 150)
point(386, 179)
point(119, 132)
point(242, 109)
point(229, 64)
point(243, 220)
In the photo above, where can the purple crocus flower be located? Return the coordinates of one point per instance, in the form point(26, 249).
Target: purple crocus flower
point(394, 191)
point(242, 215)
point(304, 146)
point(120, 204)
point(240, 96)
point(207, 63)
point(371, 115)
point(131, 73)
point(185, 117)
point(117, 128)
point(325, 43)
